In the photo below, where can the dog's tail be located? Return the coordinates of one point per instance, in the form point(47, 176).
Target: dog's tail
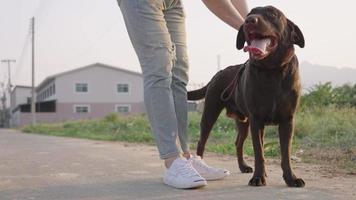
point(198, 94)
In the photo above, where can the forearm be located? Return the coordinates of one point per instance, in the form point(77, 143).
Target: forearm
point(241, 6)
point(228, 11)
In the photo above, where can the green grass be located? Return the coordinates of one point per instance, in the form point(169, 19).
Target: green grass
point(328, 135)
point(322, 134)
point(112, 128)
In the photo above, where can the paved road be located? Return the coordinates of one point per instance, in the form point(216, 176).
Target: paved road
point(36, 167)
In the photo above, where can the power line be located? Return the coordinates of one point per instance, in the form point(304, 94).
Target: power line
point(41, 7)
point(90, 47)
point(21, 58)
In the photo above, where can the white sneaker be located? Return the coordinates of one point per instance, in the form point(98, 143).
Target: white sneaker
point(182, 175)
point(206, 171)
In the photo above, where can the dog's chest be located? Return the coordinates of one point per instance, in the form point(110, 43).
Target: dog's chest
point(269, 96)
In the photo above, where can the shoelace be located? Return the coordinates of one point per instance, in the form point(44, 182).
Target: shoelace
point(203, 165)
point(186, 169)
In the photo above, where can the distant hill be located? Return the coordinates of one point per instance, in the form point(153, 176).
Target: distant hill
point(312, 74)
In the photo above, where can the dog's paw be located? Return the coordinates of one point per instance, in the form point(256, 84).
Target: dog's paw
point(298, 182)
point(257, 181)
point(246, 169)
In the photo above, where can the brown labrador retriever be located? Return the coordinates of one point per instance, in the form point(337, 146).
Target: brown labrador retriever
point(263, 91)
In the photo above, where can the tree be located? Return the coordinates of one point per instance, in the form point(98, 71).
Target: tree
point(325, 95)
point(319, 95)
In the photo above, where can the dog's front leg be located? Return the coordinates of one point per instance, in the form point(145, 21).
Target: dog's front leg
point(285, 139)
point(257, 132)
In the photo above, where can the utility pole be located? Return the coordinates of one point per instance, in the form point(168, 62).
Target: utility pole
point(3, 103)
point(9, 61)
point(3, 112)
point(33, 99)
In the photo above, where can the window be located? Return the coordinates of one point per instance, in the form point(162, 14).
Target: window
point(81, 87)
point(81, 109)
point(122, 88)
point(123, 108)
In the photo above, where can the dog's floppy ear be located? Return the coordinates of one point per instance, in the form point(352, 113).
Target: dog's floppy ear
point(240, 40)
point(296, 34)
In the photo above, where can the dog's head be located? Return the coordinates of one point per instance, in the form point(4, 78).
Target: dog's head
point(268, 32)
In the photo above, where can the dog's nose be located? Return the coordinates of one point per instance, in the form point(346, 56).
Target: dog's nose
point(251, 20)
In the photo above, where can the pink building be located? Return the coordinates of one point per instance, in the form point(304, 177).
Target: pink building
point(88, 92)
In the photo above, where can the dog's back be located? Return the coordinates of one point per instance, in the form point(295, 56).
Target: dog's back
point(222, 80)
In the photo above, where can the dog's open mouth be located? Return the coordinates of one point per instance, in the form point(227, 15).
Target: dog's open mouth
point(259, 46)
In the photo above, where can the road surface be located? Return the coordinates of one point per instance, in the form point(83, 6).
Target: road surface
point(37, 167)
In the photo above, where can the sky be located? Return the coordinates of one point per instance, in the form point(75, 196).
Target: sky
point(75, 33)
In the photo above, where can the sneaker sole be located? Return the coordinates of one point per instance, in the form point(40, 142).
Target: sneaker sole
point(193, 185)
point(215, 178)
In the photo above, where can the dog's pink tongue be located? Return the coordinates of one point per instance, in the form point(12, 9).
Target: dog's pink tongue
point(258, 47)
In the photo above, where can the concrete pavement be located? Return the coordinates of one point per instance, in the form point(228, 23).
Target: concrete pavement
point(37, 167)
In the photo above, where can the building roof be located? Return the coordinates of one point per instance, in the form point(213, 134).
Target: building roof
point(53, 77)
point(22, 86)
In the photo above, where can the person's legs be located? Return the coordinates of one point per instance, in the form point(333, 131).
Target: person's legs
point(175, 18)
point(150, 37)
point(164, 66)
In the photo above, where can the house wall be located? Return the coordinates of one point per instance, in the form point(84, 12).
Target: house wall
point(102, 83)
point(97, 110)
point(102, 96)
point(47, 93)
point(66, 113)
point(19, 96)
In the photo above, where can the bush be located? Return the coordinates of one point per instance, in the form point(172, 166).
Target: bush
point(325, 95)
point(112, 117)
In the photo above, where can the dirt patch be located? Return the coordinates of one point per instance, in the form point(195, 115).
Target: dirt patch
point(338, 161)
point(317, 176)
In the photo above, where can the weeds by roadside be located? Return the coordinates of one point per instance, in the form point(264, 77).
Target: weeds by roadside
point(325, 135)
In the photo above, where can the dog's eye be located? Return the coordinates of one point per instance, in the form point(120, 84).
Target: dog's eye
point(272, 14)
